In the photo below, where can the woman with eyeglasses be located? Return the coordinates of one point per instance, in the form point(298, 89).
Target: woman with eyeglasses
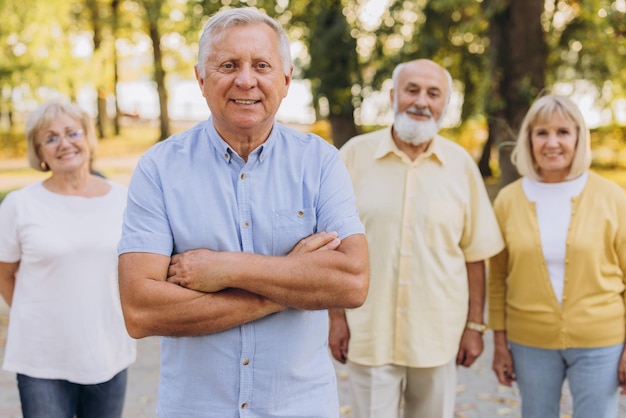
point(66, 340)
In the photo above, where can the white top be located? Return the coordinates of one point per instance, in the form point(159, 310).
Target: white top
point(65, 320)
point(553, 203)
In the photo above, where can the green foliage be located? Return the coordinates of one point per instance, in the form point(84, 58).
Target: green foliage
point(451, 32)
point(37, 39)
point(588, 40)
point(344, 58)
point(608, 144)
point(332, 66)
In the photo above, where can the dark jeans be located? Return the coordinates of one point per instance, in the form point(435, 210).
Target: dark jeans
point(47, 398)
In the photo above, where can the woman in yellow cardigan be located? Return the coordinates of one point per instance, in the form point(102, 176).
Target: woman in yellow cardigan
point(556, 292)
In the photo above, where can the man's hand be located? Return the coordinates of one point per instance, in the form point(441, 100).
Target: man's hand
point(339, 335)
point(470, 348)
point(321, 241)
point(200, 270)
point(205, 270)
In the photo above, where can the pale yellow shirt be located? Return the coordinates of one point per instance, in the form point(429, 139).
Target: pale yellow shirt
point(424, 220)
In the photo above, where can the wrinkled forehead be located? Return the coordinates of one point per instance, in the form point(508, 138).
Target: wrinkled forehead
point(250, 29)
point(425, 74)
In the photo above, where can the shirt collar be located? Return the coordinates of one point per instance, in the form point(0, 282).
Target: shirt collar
point(260, 153)
point(387, 146)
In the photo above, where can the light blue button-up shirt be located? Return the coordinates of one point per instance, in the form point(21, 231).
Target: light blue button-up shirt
point(193, 191)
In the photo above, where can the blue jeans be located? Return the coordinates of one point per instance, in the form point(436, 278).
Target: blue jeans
point(47, 398)
point(591, 374)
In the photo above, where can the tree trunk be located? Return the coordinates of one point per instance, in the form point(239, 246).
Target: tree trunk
point(101, 121)
point(334, 66)
point(342, 128)
point(96, 24)
point(485, 158)
point(159, 78)
point(115, 24)
point(518, 64)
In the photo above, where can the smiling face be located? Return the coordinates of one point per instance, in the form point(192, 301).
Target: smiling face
point(62, 145)
point(553, 144)
point(421, 90)
point(244, 82)
point(419, 98)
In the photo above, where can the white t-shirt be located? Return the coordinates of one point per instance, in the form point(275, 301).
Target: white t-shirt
point(65, 320)
point(553, 202)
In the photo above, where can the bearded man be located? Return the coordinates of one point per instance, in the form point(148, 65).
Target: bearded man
point(430, 226)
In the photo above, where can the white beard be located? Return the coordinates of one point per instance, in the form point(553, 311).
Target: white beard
point(413, 131)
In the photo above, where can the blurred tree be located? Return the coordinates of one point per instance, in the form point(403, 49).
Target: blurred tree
point(115, 19)
point(153, 16)
point(518, 63)
point(38, 59)
point(587, 40)
point(332, 65)
point(98, 17)
point(501, 53)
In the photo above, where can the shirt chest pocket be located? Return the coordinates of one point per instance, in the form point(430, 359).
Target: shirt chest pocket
point(289, 226)
point(444, 225)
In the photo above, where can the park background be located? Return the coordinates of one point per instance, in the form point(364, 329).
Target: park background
point(130, 64)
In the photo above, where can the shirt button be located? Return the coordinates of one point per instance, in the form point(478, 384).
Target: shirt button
point(245, 224)
point(243, 176)
point(300, 214)
point(246, 361)
point(244, 405)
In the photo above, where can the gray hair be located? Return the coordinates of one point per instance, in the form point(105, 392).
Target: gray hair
point(396, 74)
point(213, 31)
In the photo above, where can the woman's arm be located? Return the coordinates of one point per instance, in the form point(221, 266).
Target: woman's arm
point(7, 280)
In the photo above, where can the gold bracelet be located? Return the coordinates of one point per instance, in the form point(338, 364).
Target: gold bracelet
point(475, 326)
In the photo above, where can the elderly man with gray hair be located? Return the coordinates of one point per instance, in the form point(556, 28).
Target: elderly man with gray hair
point(430, 226)
point(238, 235)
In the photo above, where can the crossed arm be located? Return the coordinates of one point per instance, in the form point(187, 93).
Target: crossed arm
point(202, 291)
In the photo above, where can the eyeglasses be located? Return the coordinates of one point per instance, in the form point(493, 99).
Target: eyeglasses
point(72, 136)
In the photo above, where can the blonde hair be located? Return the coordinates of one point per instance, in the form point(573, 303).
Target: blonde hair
point(541, 111)
point(42, 117)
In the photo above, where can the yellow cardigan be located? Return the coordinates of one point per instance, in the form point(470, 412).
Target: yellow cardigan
point(521, 299)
